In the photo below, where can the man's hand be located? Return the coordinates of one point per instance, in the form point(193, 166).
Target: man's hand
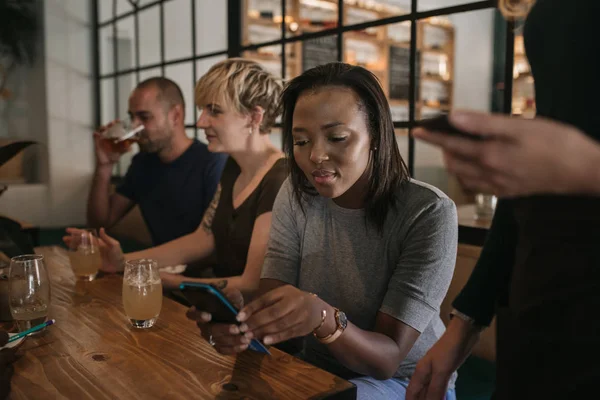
point(113, 259)
point(105, 154)
point(519, 157)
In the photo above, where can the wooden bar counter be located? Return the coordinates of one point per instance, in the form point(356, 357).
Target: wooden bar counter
point(93, 353)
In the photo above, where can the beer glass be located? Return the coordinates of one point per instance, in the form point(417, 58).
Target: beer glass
point(121, 135)
point(142, 292)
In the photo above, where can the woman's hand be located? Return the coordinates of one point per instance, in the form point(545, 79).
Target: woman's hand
point(226, 338)
point(113, 259)
point(171, 281)
point(519, 157)
point(283, 313)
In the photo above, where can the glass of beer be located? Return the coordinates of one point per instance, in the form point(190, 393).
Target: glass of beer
point(84, 254)
point(29, 290)
point(121, 135)
point(142, 292)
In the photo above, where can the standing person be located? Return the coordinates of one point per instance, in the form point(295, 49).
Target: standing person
point(173, 178)
point(539, 271)
point(360, 256)
point(239, 103)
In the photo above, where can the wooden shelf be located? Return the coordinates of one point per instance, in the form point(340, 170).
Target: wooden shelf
point(396, 102)
point(397, 43)
point(523, 75)
point(448, 28)
point(262, 56)
point(442, 107)
point(263, 22)
point(384, 49)
point(436, 79)
point(430, 50)
point(358, 7)
point(363, 37)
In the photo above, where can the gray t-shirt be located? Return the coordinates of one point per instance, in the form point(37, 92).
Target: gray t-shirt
point(404, 273)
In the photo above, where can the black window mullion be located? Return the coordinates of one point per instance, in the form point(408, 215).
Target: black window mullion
point(412, 85)
point(162, 37)
point(116, 69)
point(194, 62)
point(234, 28)
point(283, 32)
point(96, 71)
point(136, 22)
point(129, 13)
point(508, 67)
point(340, 35)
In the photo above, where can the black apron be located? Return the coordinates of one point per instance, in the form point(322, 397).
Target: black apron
point(549, 327)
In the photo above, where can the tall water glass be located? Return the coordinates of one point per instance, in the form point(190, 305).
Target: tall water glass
point(142, 292)
point(29, 291)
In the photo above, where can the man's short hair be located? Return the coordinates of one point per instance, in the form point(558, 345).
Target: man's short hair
point(169, 92)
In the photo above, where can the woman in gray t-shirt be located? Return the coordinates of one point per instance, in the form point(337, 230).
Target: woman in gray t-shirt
point(360, 256)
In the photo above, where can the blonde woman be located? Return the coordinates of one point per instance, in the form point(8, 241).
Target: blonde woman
point(539, 271)
point(238, 101)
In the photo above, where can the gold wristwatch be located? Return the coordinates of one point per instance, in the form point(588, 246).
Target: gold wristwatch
point(341, 323)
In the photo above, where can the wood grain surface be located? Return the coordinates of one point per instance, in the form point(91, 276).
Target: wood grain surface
point(92, 353)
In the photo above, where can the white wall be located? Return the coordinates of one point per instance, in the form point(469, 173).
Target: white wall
point(473, 69)
point(474, 57)
point(69, 104)
point(64, 120)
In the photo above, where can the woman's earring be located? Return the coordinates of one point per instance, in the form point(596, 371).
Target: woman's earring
point(251, 131)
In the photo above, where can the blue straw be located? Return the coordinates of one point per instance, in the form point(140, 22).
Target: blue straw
point(31, 330)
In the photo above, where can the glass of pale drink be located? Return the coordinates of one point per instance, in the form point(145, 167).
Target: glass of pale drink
point(84, 254)
point(142, 292)
point(29, 290)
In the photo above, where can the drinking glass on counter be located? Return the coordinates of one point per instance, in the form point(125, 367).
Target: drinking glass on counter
point(142, 292)
point(29, 290)
point(84, 254)
point(485, 205)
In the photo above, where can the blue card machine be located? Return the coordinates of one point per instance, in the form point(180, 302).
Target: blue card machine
point(210, 299)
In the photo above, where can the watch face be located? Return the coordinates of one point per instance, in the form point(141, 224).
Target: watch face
point(341, 319)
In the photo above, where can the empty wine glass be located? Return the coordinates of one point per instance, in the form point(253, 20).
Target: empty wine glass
point(29, 290)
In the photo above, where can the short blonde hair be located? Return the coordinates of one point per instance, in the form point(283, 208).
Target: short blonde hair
point(515, 9)
point(243, 85)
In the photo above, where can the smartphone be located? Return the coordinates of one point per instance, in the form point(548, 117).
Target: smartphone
point(209, 298)
point(442, 124)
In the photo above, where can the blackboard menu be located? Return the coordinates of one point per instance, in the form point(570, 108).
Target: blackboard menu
point(319, 51)
point(400, 73)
